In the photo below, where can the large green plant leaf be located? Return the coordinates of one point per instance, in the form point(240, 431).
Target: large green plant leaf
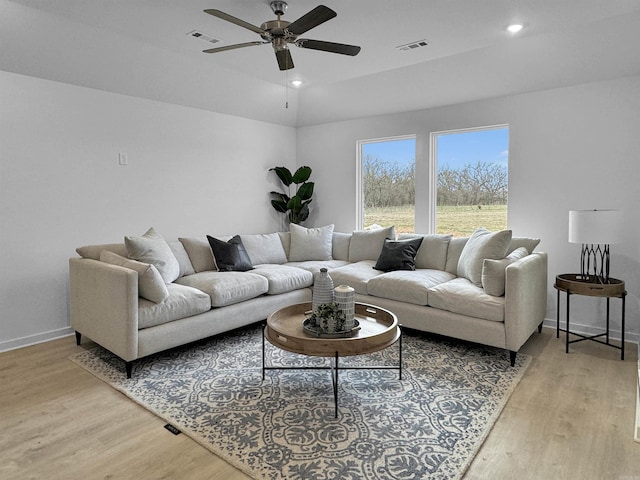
point(284, 174)
point(301, 175)
point(306, 190)
point(279, 205)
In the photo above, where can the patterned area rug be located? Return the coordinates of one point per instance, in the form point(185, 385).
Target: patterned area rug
point(429, 425)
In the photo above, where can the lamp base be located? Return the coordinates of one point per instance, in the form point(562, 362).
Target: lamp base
point(594, 263)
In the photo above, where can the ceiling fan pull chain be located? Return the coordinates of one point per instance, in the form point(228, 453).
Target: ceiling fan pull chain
point(286, 89)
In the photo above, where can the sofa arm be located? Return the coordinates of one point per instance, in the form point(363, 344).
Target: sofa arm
point(104, 305)
point(525, 298)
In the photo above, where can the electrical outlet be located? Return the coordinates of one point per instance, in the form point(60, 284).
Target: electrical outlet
point(123, 159)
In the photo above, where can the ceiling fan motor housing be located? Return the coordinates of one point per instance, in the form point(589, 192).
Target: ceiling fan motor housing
point(278, 7)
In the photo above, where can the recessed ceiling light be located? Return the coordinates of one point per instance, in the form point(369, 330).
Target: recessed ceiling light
point(296, 83)
point(515, 27)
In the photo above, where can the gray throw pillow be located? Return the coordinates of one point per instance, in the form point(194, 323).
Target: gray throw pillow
point(367, 244)
point(494, 271)
point(152, 248)
point(150, 284)
point(482, 244)
point(398, 255)
point(230, 256)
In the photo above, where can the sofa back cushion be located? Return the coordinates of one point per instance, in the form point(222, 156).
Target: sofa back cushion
point(432, 253)
point(367, 244)
point(310, 243)
point(341, 242)
point(93, 251)
point(264, 248)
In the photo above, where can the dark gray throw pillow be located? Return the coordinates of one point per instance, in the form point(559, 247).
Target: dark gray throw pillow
point(230, 256)
point(398, 255)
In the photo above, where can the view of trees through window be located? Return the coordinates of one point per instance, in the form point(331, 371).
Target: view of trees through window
point(469, 189)
point(472, 179)
point(388, 186)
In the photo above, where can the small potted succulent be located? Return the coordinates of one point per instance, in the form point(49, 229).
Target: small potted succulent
point(328, 318)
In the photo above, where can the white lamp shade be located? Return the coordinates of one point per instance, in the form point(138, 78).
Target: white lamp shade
point(595, 226)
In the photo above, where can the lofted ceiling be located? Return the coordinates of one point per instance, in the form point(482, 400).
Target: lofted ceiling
point(469, 54)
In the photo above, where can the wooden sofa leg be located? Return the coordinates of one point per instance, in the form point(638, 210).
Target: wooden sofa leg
point(129, 368)
point(78, 338)
point(512, 357)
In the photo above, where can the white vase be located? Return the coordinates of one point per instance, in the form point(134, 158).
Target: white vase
point(344, 297)
point(322, 289)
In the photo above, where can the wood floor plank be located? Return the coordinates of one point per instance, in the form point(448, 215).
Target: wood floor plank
point(571, 416)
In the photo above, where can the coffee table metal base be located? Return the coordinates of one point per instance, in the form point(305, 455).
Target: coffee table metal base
point(334, 367)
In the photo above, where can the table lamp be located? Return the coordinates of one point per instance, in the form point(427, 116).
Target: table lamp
point(595, 230)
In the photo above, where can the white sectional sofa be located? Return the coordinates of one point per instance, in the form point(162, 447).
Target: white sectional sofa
point(147, 295)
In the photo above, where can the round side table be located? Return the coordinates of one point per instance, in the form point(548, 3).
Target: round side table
point(576, 284)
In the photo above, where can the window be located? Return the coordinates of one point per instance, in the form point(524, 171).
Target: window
point(463, 184)
point(387, 186)
point(470, 186)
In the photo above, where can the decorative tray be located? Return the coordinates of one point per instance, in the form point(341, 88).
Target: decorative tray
point(315, 332)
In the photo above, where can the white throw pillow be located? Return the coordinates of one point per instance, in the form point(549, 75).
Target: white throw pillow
point(152, 248)
point(310, 243)
point(482, 244)
point(494, 271)
point(367, 244)
point(150, 284)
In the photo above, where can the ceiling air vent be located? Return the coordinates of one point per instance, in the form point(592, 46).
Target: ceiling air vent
point(203, 36)
point(412, 46)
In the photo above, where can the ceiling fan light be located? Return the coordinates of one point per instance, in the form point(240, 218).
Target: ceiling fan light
point(515, 27)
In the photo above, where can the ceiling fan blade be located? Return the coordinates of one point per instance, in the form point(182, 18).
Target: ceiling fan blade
point(233, 47)
point(234, 20)
point(331, 47)
point(315, 17)
point(285, 62)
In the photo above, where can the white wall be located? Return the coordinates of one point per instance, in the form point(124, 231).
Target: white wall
point(570, 148)
point(190, 172)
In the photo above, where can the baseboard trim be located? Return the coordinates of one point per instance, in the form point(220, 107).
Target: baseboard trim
point(35, 339)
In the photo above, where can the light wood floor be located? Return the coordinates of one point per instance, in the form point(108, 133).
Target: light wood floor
point(571, 417)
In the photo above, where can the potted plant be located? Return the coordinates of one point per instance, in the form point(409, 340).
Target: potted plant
point(296, 206)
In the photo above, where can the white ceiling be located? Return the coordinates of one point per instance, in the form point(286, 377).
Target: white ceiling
point(470, 55)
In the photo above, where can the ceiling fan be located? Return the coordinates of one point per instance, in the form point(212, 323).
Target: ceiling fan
point(280, 33)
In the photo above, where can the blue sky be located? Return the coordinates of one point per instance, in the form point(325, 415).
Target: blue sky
point(455, 149)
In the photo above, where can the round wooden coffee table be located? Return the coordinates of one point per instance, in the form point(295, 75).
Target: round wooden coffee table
point(379, 329)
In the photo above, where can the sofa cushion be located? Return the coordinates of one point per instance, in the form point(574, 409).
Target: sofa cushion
point(310, 243)
point(283, 278)
point(182, 302)
point(200, 253)
point(150, 283)
point(398, 255)
point(264, 248)
point(340, 248)
point(433, 250)
point(183, 258)
point(152, 248)
point(314, 266)
point(230, 256)
point(367, 244)
point(355, 275)
point(93, 251)
point(482, 244)
point(407, 286)
point(227, 288)
point(529, 243)
point(465, 298)
point(453, 253)
point(493, 271)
